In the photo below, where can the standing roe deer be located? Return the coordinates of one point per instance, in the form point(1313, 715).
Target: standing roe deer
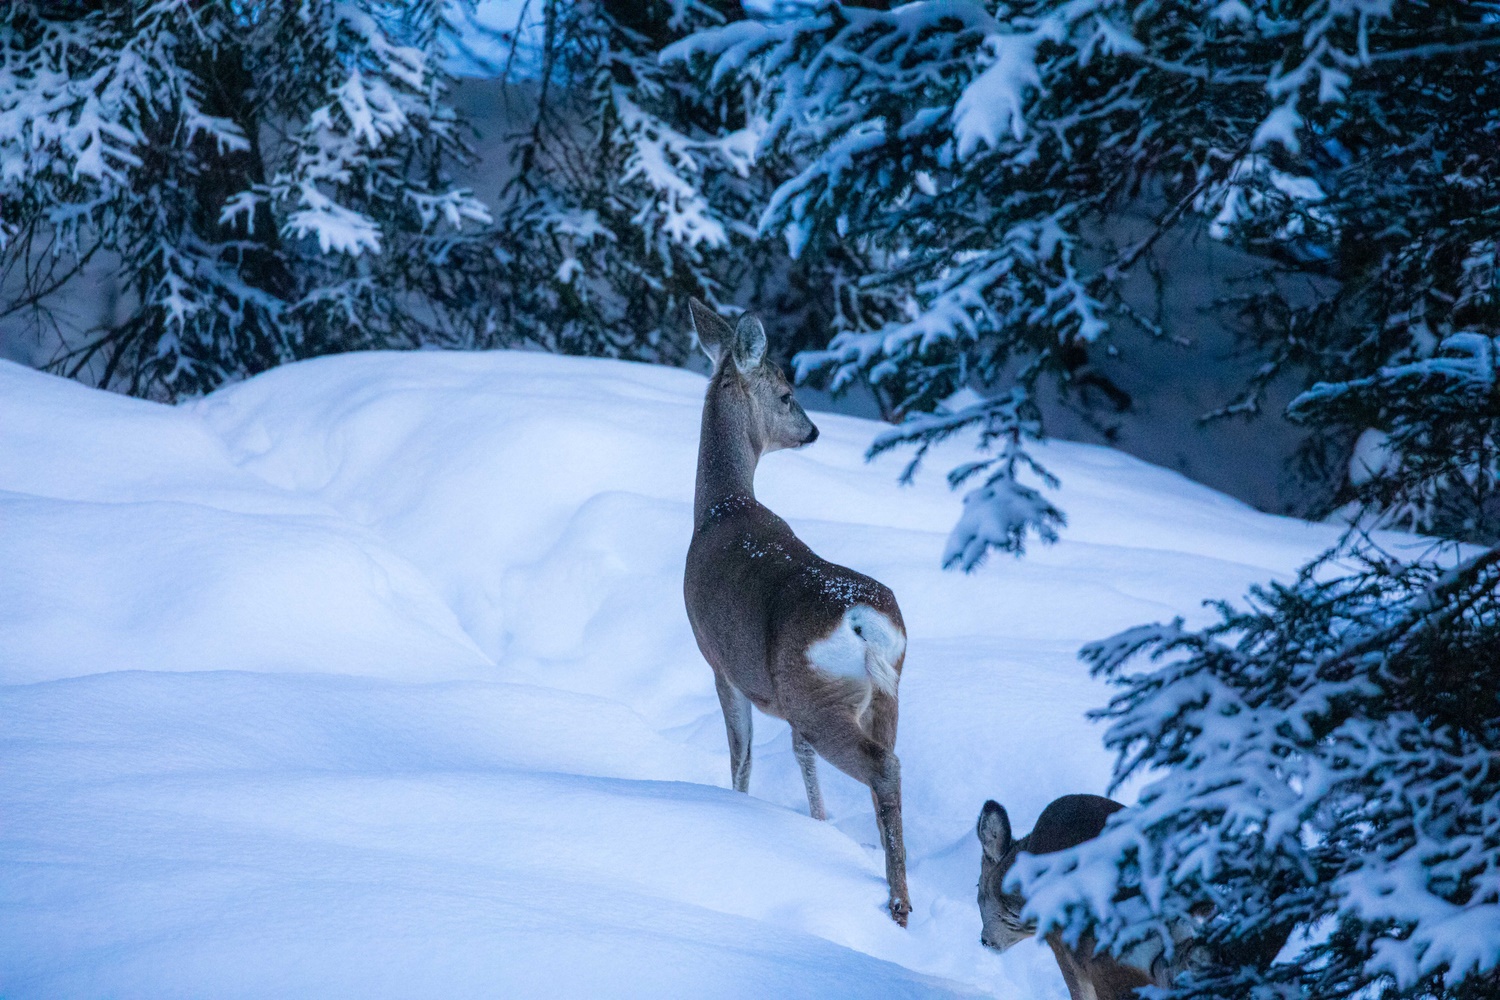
point(802, 639)
point(1066, 822)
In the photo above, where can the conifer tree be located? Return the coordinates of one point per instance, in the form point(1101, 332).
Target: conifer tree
point(267, 181)
point(624, 197)
point(636, 187)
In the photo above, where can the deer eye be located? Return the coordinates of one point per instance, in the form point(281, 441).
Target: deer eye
point(786, 399)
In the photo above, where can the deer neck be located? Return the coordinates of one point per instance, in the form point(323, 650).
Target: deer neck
point(728, 449)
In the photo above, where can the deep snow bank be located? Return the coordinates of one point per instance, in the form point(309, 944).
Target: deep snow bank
point(370, 676)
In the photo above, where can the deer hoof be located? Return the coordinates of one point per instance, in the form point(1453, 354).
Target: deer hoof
point(900, 910)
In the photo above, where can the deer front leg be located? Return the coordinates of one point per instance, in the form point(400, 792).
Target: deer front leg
point(807, 759)
point(1072, 973)
point(738, 726)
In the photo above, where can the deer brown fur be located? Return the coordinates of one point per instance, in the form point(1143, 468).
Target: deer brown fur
point(1066, 822)
point(800, 638)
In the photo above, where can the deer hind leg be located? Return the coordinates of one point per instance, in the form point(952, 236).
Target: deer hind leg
point(881, 717)
point(840, 740)
point(807, 759)
point(880, 722)
point(738, 726)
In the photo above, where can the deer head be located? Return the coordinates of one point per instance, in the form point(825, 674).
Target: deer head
point(775, 419)
point(1000, 910)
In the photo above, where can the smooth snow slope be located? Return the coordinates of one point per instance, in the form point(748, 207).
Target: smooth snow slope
point(370, 677)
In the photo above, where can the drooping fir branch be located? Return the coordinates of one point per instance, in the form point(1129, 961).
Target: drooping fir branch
point(1002, 511)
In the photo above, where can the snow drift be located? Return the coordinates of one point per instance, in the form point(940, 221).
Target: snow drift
point(370, 676)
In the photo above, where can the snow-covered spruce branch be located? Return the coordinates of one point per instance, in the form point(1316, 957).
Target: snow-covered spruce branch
point(1003, 510)
point(1431, 458)
point(1322, 811)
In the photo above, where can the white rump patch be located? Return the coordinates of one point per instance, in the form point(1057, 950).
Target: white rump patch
point(865, 645)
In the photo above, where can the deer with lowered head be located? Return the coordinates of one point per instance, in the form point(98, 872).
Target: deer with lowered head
point(1091, 974)
point(798, 637)
point(1067, 822)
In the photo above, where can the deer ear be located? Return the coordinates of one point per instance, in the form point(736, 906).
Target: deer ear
point(749, 344)
point(994, 831)
point(713, 333)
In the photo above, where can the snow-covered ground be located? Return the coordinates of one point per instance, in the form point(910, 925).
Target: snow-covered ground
point(370, 677)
